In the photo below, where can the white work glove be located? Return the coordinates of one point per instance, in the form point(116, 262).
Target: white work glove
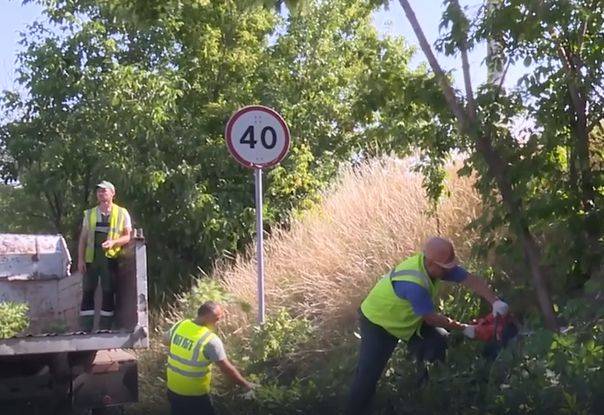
point(250, 393)
point(500, 308)
point(469, 331)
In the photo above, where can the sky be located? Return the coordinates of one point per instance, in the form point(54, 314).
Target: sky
point(14, 18)
point(393, 21)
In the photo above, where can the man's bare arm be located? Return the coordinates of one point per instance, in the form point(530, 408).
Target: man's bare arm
point(480, 287)
point(232, 373)
point(125, 238)
point(440, 320)
point(121, 241)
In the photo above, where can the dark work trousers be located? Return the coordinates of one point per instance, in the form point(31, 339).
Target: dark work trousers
point(190, 405)
point(375, 350)
point(105, 270)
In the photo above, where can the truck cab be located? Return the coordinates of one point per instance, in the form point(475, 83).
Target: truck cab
point(52, 367)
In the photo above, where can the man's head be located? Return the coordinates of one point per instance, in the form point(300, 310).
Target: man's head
point(439, 256)
point(105, 191)
point(209, 313)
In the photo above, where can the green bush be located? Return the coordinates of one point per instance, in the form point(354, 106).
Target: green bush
point(13, 318)
point(272, 357)
point(278, 337)
point(539, 373)
point(206, 289)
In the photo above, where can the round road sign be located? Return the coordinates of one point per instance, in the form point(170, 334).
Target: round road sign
point(257, 137)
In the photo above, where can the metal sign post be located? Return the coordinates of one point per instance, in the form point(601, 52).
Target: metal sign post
point(257, 137)
point(259, 244)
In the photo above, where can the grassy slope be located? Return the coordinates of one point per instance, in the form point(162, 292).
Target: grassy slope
point(319, 269)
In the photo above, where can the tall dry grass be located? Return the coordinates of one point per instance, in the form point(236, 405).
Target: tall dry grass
point(373, 216)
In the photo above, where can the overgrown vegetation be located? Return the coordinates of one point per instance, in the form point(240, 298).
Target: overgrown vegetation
point(305, 354)
point(13, 318)
point(142, 90)
point(316, 273)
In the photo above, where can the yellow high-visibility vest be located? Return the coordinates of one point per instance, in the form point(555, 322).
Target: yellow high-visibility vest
point(384, 308)
point(188, 371)
point(117, 221)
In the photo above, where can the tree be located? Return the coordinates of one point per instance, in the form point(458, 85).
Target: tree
point(565, 92)
point(139, 94)
point(562, 96)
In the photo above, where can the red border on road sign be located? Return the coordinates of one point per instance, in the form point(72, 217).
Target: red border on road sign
point(229, 128)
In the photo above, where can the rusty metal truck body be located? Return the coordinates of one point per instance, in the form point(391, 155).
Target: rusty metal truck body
point(52, 367)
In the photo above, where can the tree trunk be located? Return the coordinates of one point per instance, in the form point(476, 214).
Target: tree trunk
point(56, 211)
point(586, 188)
point(498, 171)
point(587, 191)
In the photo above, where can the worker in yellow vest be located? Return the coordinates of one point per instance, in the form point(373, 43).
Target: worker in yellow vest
point(106, 228)
point(401, 307)
point(194, 347)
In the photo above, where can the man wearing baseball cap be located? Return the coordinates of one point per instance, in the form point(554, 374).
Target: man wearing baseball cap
point(105, 229)
point(401, 307)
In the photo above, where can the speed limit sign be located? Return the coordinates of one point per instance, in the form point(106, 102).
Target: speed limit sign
point(257, 137)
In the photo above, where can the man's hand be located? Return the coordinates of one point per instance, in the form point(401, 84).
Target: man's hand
point(469, 331)
point(500, 308)
point(81, 266)
point(250, 385)
point(108, 244)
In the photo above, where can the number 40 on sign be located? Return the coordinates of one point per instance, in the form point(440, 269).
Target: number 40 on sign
point(257, 137)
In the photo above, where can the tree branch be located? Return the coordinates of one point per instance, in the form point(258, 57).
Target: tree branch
point(54, 209)
point(465, 64)
point(505, 72)
point(575, 95)
point(448, 92)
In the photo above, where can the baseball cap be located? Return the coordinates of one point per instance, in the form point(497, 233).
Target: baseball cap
point(441, 252)
point(106, 185)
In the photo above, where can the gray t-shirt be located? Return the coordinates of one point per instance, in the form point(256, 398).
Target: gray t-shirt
point(214, 350)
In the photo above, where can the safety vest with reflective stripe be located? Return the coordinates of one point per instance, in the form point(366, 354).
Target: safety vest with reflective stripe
point(117, 220)
point(384, 308)
point(189, 371)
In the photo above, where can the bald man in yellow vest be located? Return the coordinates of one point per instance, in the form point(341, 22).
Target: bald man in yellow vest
point(193, 349)
point(401, 307)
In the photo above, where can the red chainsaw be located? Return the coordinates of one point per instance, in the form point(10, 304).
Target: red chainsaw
point(496, 332)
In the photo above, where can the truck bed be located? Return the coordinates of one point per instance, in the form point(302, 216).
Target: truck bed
point(34, 269)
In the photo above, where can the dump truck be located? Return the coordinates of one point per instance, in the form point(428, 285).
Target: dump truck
point(52, 367)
